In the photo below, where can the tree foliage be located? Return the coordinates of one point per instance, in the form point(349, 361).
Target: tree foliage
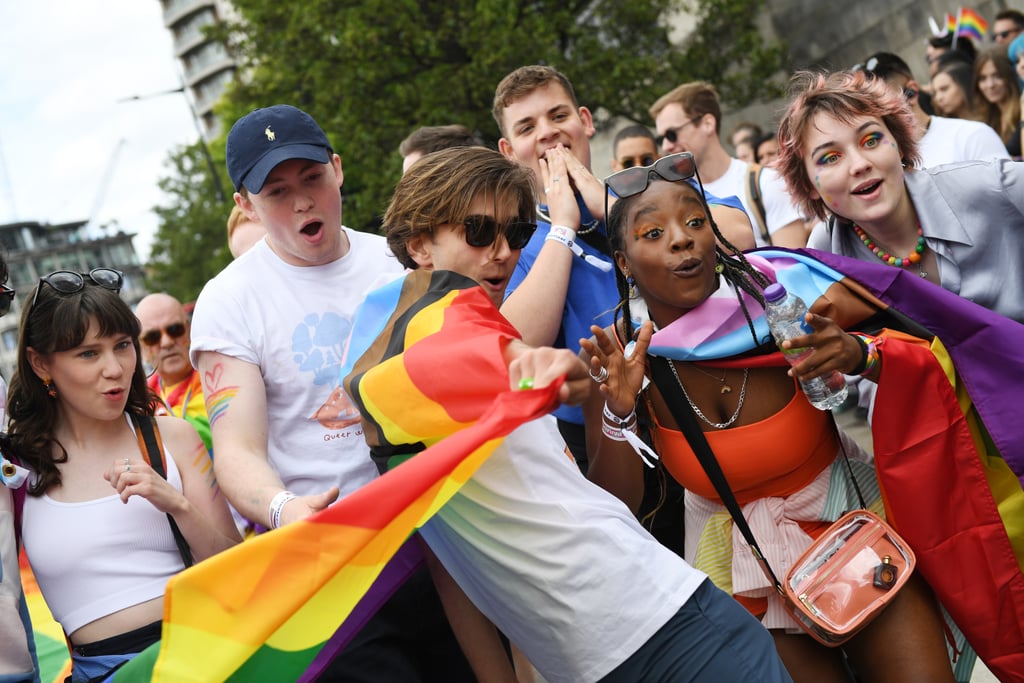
point(190, 245)
point(371, 71)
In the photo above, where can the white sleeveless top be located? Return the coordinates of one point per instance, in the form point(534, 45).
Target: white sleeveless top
point(100, 556)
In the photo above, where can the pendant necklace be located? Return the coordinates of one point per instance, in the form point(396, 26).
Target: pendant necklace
point(726, 388)
point(716, 425)
point(914, 257)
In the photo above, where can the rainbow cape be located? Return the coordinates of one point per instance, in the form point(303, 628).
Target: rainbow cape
point(948, 447)
point(265, 609)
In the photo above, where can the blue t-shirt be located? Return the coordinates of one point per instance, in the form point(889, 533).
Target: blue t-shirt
point(592, 295)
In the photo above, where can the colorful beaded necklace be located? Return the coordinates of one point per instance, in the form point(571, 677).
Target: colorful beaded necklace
point(913, 258)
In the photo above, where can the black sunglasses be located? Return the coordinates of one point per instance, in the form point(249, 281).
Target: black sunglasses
point(672, 134)
point(630, 162)
point(1003, 35)
point(632, 181)
point(6, 297)
point(69, 282)
point(483, 231)
point(153, 337)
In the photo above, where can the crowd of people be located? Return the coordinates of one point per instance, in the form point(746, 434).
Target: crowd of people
point(591, 546)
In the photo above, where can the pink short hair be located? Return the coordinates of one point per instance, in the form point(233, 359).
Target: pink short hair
point(843, 95)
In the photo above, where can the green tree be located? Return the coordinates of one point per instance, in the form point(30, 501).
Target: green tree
point(371, 71)
point(190, 245)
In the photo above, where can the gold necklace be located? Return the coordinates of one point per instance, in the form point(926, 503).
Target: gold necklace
point(726, 388)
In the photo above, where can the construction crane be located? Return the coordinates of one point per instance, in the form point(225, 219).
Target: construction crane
point(101, 192)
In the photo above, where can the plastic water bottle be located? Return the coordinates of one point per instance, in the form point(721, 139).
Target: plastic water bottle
point(785, 314)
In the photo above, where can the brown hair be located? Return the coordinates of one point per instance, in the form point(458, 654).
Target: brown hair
point(1003, 118)
point(427, 139)
point(58, 322)
point(524, 81)
point(697, 99)
point(439, 189)
point(843, 95)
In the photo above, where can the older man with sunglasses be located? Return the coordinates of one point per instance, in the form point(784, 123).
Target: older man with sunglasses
point(688, 119)
point(165, 344)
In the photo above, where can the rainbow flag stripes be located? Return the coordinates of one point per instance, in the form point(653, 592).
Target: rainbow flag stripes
point(265, 609)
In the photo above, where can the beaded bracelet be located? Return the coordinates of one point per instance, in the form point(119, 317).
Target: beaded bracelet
point(277, 504)
point(869, 354)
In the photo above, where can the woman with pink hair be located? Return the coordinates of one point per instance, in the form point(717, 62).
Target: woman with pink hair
point(848, 156)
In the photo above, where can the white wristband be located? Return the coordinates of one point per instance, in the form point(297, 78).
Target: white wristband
point(567, 236)
point(277, 504)
point(561, 233)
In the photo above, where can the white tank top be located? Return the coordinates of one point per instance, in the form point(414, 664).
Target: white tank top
point(100, 556)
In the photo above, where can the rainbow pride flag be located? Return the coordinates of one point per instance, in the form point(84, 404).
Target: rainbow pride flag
point(947, 443)
point(967, 23)
point(265, 609)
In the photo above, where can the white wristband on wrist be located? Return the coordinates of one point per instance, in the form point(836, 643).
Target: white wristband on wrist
point(277, 504)
point(624, 429)
point(567, 236)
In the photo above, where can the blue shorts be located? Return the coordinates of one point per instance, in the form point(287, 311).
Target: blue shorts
point(711, 639)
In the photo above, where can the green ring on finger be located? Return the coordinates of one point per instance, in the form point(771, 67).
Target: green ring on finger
point(525, 383)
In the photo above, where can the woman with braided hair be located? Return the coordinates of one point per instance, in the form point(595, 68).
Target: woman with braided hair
point(702, 310)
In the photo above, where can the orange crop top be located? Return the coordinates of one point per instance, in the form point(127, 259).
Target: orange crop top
point(776, 456)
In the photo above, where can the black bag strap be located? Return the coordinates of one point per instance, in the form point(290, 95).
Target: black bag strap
point(754, 194)
point(146, 428)
point(687, 421)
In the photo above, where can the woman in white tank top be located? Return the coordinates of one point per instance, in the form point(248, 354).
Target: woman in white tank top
point(95, 519)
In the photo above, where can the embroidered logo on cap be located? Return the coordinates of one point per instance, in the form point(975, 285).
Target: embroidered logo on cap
point(270, 134)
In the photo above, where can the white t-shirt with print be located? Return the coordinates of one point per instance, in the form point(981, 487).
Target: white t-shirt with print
point(294, 322)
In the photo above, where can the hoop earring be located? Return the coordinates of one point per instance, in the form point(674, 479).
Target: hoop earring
point(51, 388)
point(719, 265)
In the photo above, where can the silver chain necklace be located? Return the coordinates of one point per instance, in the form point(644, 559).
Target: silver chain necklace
point(716, 425)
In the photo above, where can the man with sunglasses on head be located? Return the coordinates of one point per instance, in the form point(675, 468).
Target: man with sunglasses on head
point(268, 337)
point(165, 345)
point(688, 119)
point(545, 129)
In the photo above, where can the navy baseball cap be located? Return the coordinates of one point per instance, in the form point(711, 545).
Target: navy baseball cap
point(264, 138)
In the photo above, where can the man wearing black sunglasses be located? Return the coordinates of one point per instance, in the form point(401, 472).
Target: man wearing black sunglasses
point(165, 346)
point(688, 119)
point(1008, 24)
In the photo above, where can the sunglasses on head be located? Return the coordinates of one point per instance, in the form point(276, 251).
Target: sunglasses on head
point(483, 231)
point(153, 337)
point(645, 160)
point(633, 181)
point(68, 281)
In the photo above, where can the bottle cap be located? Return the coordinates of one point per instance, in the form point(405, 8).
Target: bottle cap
point(774, 292)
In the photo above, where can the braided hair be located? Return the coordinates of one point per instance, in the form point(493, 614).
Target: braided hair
point(736, 269)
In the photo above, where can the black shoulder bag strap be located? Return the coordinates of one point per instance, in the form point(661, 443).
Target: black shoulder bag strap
point(687, 421)
point(754, 193)
point(146, 427)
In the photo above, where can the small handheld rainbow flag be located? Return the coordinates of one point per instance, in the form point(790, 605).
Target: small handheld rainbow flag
point(966, 24)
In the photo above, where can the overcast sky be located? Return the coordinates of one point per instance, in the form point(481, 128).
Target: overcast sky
point(64, 64)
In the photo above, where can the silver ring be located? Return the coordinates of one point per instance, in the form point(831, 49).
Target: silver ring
point(601, 377)
point(556, 178)
point(127, 466)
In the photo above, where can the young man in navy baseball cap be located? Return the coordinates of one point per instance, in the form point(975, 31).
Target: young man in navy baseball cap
point(268, 335)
